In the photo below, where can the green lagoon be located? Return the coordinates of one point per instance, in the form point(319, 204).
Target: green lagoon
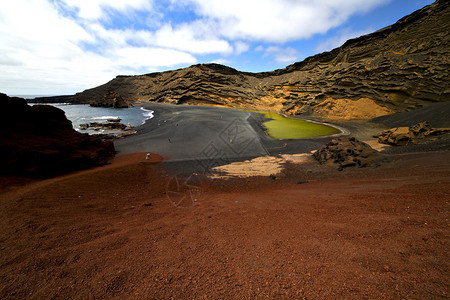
point(281, 127)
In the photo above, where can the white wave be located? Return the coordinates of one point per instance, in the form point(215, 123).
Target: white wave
point(148, 114)
point(103, 117)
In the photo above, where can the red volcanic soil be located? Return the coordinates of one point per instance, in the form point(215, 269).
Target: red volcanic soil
point(126, 231)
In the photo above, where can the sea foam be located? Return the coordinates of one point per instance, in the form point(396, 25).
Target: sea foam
point(148, 114)
point(104, 117)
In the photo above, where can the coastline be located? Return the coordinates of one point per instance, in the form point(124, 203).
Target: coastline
point(226, 135)
point(81, 114)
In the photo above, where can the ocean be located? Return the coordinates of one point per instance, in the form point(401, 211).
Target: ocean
point(84, 113)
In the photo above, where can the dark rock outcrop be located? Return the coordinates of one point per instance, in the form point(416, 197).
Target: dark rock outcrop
point(347, 152)
point(39, 141)
point(106, 126)
point(111, 99)
point(402, 136)
point(399, 68)
point(73, 99)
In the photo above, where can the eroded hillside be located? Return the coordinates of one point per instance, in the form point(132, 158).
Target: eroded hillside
point(399, 68)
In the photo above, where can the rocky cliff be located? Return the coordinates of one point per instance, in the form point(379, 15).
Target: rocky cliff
point(111, 99)
point(398, 68)
point(39, 141)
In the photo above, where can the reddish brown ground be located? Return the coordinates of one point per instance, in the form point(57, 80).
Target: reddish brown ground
point(112, 232)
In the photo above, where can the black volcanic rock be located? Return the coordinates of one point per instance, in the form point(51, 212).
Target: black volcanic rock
point(57, 99)
point(399, 68)
point(39, 141)
point(347, 152)
point(111, 99)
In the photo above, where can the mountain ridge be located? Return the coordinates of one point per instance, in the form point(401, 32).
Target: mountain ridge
point(398, 68)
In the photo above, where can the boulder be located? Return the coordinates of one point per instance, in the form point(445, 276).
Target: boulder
point(39, 141)
point(347, 152)
point(398, 136)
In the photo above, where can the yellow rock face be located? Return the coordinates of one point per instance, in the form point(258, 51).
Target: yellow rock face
point(363, 108)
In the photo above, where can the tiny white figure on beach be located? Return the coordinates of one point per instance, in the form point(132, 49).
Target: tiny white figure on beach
point(170, 141)
point(148, 156)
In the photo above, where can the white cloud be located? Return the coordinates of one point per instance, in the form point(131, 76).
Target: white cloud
point(240, 47)
point(39, 22)
point(43, 52)
point(259, 48)
point(220, 61)
point(149, 57)
point(95, 9)
point(192, 38)
point(283, 55)
point(277, 20)
point(339, 40)
point(187, 38)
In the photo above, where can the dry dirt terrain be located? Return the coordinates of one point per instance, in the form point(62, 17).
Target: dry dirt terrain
point(128, 230)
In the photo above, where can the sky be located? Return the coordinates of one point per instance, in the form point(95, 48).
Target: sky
point(61, 47)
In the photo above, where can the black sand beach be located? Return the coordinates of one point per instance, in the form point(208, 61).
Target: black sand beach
point(204, 136)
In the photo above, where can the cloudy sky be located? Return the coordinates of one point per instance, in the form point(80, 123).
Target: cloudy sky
point(54, 47)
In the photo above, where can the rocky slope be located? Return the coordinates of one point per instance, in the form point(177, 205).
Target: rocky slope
point(398, 68)
point(39, 141)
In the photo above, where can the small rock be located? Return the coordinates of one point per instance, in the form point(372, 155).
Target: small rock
point(84, 126)
point(114, 120)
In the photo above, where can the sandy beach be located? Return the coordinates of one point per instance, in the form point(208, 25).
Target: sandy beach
point(152, 228)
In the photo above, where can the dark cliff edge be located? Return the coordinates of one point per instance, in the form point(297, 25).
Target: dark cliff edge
point(56, 99)
point(399, 68)
point(39, 141)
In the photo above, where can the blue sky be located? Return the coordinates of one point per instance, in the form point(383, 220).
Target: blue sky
point(54, 47)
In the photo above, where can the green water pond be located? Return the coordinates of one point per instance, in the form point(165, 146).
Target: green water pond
point(281, 127)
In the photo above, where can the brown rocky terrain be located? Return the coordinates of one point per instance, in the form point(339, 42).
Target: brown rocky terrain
point(39, 141)
point(398, 68)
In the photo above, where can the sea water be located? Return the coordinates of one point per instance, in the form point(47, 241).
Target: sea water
point(85, 114)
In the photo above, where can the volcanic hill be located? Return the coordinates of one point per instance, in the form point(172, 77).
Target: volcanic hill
point(399, 68)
